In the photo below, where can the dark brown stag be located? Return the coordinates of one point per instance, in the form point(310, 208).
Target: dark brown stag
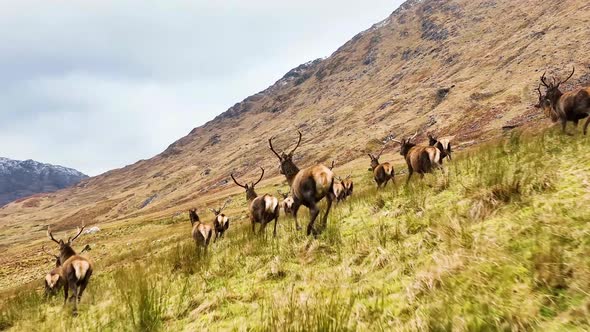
point(382, 173)
point(420, 159)
point(76, 269)
point(308, 186)
point(571, 106)
point(263, 209)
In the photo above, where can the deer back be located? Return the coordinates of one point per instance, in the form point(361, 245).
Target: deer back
point(315, 181)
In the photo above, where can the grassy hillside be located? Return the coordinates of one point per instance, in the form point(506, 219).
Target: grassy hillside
point(498, 240)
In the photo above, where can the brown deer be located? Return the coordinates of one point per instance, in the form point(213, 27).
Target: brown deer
point(201, 232)
point(571, 106)
point(287, 202)
point(338, 190)
point(420, 159)
point(348, 186)
point(443, 145)
point(54, 280)
point(263, 209)
point(221, 222)
point(308, 186)
point(76, 269)
point(382, 173)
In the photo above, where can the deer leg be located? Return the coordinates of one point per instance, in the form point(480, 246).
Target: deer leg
point(74, 297)
point(314, 211)
point(330, 199)
point(410, 173)
point(216, 236)
point(66, 288)
point(295, 209)
point(274, 232)
point(84, 284)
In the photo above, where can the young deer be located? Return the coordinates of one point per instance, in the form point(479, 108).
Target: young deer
point(287, 202)
point(382, 173)
point(221, 222)
point(201, 232)
point(263, 209)
point(76, 269)
point(308, 186)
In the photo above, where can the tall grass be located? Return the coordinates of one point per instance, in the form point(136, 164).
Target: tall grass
point(497, 240)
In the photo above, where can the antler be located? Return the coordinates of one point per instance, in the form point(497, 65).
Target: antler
point(332, 167)
point(411, 138)
point(567, 79)
point(380, 153)
point(261, 176)
point(272, 149)
point(539, 91)
point(543, 80)
point(86, 248)
point(236, 181)
point(48, 253)
point(70, 240)
point(298, 142)
point(50, 235)
point(224, 205)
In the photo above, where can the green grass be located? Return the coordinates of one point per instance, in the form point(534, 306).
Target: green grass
point(498, 240)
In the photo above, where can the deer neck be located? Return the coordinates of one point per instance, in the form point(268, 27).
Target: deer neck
point(66, 253)
point(290, 172)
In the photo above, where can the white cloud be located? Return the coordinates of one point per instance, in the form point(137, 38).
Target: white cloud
point(98, 84)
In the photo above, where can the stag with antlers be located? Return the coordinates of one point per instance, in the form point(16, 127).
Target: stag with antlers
point(571, 106)
point(201, 232)
point(76, 269)
point(287, 202)
point(382, 173)
point(221, 222)
point(263, 209)
point(54, 280)
point(308, 186)
point(420, 159)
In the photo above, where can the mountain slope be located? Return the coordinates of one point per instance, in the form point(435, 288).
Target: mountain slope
point(455, 67)
point(25, 178)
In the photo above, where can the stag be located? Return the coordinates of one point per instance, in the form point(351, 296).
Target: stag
point(287, 202)
point(76, 269)
point(348, 186)
point(443, 145)
point(420, 159)
point(54, 280)
point(263, 209)
point(221, 223)
point(571, 106)
point(201, 232)
point(382, 173)
point(308, 186)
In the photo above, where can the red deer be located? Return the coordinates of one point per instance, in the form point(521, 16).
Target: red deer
point(308, 186)
point(287, 203)
point(54, 280)
point(76, 269)
point(263, 209)
point(201, 232)
point(420, 159)
point(338, 190)
point(443, 145)
point(221, 223)
point(570, 106)
point(382, 173)
point(348, 186)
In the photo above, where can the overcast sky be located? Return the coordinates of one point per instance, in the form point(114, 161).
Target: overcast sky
point(99, 84)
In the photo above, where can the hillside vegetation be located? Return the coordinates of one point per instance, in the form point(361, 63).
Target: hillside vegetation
point(498, 240)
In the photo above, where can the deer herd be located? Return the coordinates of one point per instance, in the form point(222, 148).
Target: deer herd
point(309, 186)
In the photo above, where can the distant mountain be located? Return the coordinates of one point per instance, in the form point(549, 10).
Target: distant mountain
point(25, 178)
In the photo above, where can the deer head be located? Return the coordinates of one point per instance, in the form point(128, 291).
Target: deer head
point(552, 93)
point(217, 212)
point(375, 158)
point(65, 248)
point(287, 167)
point(406, 144)
point(250, 192)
